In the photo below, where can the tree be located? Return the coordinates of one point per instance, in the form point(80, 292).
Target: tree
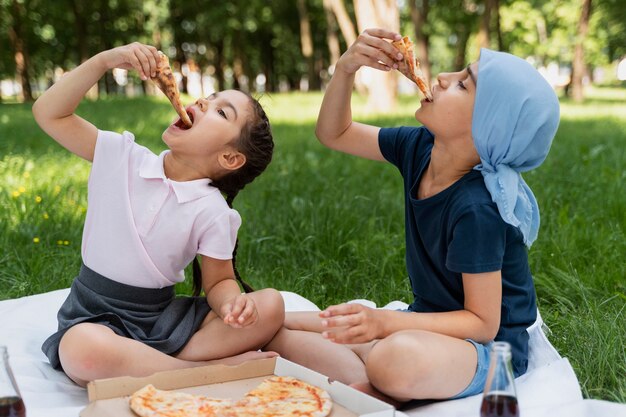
point(17, 36)
point(382, 86)
point(485, 28)
point(578, 64)
point(332, 39)
point(306, 42)
point(7, 63)
point(419, 17)
point(457, 20)
point(343, 18)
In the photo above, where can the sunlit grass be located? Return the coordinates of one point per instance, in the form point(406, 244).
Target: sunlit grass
point(330, 226)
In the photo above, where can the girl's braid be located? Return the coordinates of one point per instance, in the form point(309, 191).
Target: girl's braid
point(257, 144)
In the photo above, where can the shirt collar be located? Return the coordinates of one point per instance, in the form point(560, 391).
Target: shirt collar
point(152, 168)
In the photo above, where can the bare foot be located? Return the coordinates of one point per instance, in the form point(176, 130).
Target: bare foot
point(243, 357)
point(367, 388)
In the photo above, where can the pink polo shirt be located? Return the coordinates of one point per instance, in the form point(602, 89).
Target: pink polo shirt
point(143, 229)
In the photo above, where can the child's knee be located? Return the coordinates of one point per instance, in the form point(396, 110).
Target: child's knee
point(271, 307)
point(394, 365)
point(83, 349)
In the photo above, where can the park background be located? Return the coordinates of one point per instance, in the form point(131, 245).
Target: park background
point(322, 224)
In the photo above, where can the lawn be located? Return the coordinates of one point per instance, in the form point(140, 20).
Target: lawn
point(330, 226)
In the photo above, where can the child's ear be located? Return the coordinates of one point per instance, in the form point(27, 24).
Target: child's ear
point(232, 160)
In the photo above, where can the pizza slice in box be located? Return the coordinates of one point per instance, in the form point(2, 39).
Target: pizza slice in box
point(276, 397)
point(165, 80)
point(410, 66)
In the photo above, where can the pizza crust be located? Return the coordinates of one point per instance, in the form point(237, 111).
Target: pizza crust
point(410, 66)
point(165, 80)
point(276, 397)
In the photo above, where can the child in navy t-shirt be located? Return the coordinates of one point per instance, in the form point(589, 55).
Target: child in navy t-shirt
point(459, 230)
point(469, 219)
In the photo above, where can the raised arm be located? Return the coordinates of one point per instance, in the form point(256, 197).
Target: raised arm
point(335, 127)
point(54, 110)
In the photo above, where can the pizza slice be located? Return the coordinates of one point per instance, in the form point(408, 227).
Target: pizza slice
point(285, 396)
point(152, 402)
point(276, 397)
point(165, 80)
point(410, 66)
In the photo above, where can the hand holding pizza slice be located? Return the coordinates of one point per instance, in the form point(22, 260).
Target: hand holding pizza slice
point(166, 82)
point(410, 66)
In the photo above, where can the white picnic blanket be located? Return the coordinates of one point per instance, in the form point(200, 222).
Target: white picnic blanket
point(549, 388)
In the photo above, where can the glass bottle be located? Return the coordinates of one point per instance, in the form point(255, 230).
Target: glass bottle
point(499, 397)
point(11, 404)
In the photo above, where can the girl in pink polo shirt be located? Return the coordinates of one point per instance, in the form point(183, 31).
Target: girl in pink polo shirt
point(148, 217)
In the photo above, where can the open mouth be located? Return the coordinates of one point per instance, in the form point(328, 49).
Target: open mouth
point(181, 125)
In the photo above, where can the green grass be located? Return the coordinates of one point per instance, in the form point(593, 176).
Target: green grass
point(330, 226)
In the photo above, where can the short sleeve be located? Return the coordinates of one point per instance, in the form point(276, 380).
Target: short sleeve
point(111, 156)
point(392, 142)
point(218, 240)
point(478, 241)
point(404, 146)
point(111, 147)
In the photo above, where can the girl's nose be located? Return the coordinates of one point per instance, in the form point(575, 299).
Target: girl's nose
point(203, 103)
point(443, 79)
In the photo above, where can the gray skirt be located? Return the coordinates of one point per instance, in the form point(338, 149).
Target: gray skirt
point(156, 317)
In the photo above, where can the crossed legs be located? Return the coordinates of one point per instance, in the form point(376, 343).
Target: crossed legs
point(91, 351)
point(411, 364)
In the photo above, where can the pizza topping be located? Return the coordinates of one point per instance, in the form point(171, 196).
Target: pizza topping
point(276, 396)
point(165, 80)
point(410, 66)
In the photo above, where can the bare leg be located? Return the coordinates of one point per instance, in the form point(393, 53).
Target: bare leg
point(91, 351)
point(217, 340)
point(367, 388)
point(416, 364)
point(310, 349)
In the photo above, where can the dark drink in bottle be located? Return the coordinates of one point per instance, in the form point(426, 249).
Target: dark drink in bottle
point(11, 404)
point(12, 407)
point(499, 405)
point(499, 397)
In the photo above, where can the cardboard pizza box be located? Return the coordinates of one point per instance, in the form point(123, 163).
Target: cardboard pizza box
point(109, 397)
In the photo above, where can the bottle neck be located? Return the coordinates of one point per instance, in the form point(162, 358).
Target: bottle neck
point(8, 388)
point(500, 379)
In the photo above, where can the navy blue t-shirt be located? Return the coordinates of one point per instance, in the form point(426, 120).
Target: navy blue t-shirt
point(459, 230)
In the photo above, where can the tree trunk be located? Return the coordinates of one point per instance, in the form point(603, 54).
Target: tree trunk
point(343, 18)
point(419, 16)
point(108, 81)
point(349, 35)
point(306, 43)
point(382, 86)
point(268, 61)
point(578, 65)
point(331, 33)
point(20, 50)
point(219, 67)
point(81, 30)
point(542, 34)
point(181, 60)
point(498, 28)
point(483, 38)
point(80, 25)
point(461, 47)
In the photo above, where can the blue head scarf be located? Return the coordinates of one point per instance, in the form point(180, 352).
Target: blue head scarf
point(516, 114)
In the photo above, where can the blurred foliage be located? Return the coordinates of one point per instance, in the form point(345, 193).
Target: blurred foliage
point(251, 37)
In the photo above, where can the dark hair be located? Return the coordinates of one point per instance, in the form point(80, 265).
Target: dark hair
point(257, 144)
